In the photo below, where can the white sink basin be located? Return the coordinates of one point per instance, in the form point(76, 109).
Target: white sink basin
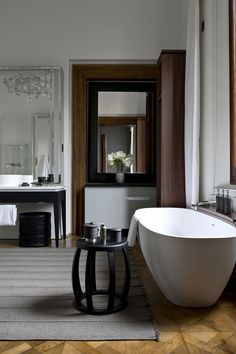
point(14, 180)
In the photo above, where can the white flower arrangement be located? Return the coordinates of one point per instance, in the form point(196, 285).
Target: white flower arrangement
point(119, 160)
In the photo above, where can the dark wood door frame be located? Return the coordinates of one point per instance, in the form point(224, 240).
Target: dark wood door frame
point(81, 74)
point(232, 56)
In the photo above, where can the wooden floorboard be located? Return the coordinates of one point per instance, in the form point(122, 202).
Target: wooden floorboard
point(183, 330)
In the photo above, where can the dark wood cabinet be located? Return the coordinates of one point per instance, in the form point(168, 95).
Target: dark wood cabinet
point(170, 149)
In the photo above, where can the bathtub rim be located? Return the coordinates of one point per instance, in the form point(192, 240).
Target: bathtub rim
point(187, 237)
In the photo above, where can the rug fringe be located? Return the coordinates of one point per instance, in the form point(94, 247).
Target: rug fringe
point(156, 330)
point(147, 304)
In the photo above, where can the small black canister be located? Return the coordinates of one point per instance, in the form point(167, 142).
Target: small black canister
point(90, 231)
point(50, 178)
point(115, 234)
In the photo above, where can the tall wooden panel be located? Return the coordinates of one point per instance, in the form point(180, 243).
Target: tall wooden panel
point(171, 147)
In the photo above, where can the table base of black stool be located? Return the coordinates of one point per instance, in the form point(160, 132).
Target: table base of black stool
point(116, 300)
point(101, 311)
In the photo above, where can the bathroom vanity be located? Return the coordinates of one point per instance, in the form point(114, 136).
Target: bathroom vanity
point(31, 140)
point(50, 194)
point(114, 205)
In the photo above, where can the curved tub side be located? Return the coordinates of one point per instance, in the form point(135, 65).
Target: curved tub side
point(189, 272)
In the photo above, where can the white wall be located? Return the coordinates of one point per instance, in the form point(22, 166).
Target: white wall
point(214, 140)
point(53, 32)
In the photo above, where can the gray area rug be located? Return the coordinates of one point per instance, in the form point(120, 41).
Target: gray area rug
point(37, 300)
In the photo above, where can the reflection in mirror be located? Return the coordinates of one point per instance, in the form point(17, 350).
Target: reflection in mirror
point(113, 138)
point(42, 145)
point(30, 120)
point(122, 115)
point(17, 159)
point(123, 121)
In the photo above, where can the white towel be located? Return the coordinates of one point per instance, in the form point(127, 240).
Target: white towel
point(42, 166)
point(133, 229)
point(8, 215)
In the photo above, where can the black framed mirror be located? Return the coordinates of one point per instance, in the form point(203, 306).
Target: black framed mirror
point(121, 116)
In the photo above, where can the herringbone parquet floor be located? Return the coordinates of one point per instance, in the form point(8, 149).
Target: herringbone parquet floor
point(183, 330)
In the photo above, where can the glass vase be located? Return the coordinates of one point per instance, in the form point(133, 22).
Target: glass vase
point(120, 177)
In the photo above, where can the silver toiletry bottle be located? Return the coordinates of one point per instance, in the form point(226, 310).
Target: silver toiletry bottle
point(103, 233)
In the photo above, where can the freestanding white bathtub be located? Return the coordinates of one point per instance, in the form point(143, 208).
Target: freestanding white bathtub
point(191, 255)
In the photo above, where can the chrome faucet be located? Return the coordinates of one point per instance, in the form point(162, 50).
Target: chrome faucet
point(206, 202)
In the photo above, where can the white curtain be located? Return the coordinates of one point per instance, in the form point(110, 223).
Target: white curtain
point(192, 104)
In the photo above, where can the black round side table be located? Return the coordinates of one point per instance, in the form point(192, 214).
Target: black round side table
point(116, 301)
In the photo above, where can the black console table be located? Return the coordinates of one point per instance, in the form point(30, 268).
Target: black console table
point(29, 195)
point(116, 301)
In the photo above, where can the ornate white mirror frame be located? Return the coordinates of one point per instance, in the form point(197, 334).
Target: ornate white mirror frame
point(27, 93)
